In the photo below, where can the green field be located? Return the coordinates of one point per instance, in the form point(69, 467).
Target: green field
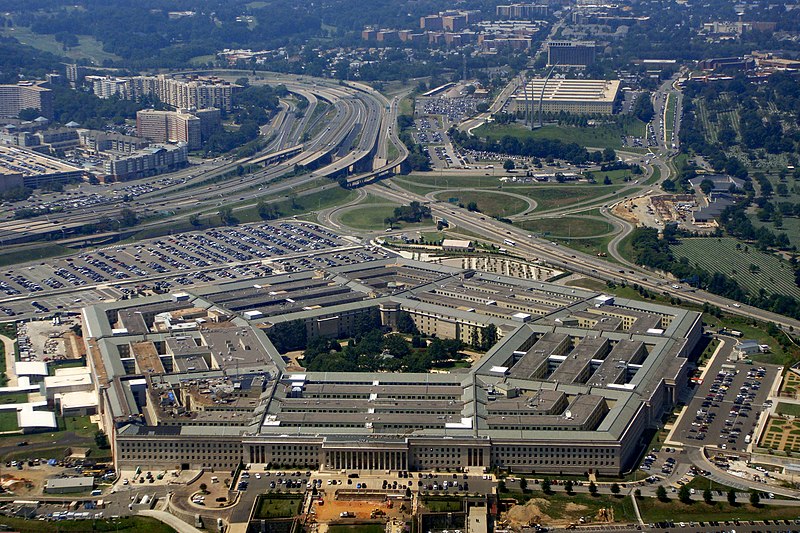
point(439, 504)
point(568, 227)
point(121, 525)
point(490, 203)
point(753, 270)
point(791, 409)
point(8, 420)
point(273, 506)
point(89, 47)
point(34, 252)
point(656, 511)
point(14, 397)
point(372, 217)
point(669, 119)
point(595, 136)
point(547, 197)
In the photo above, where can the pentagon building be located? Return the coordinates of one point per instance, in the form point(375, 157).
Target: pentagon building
point(194, 381)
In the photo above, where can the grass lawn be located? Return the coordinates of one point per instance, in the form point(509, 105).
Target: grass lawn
point(269, 506)
point(616, 176)
point(591, 246)
point(302, 204)
point(654, 510)
point(88, 47)
point(700, 483)
point(14, 397)
point(406, 106)
point(597, 136)
point(202, 60)
point(753, 269)
point(125, 524)
point(791, 409)
point(358, 528)
point(568, 226)
point(442, 504)
point(14, 255)
point(372, 217)
point(548, 198)
point(8, 420)
point(490, 203)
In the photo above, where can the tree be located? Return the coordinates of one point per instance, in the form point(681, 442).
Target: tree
point(707, 496)
point(609, 155)
point(637, 494)
point(568, 486)
point(615, 488)
point(508, 165)
point(101, 440)
point(606, 180)
point(592, 488)
point(472, 206)
point(661, 493)
point(732, 496)
point(706, 186)
point(194, 219)
point(127, 218)
point(29, 113)
point(203, 488)
point(225, 214)
point(488, 337)
point(684, 495)
point(523, 484)
point(755, 499)
point(546, 488)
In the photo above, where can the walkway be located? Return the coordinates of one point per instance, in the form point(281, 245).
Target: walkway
point(8, 345)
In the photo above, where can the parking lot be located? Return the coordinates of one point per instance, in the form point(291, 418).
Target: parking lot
point(725, 408)
point(169, 263)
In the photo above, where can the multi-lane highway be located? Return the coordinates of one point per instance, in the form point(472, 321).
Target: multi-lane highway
point(360, 114)
point(528, 245)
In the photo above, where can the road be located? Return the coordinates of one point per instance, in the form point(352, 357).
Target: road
point(572, 260)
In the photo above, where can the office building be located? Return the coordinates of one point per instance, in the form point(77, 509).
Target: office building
point(585, 97)
point(571, 385)
point(25, 95)
point(177, 126)
point(571, 53)
point(148, 162)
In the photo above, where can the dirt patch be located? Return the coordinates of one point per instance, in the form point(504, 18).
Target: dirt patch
point(331, 510)
point(574, 507)
point(532, 512)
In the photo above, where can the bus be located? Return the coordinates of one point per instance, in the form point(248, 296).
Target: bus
point(509, 242)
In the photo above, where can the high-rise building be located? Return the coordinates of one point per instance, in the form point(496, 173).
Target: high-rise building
point(75, 73)
point(107, 86)
point(570, 53)
point(521, 11)
point(177, 126)
point(185, 93)
point(25, 95)
point(148, 162)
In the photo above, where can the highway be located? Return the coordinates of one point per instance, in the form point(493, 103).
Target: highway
point(355, 106)
point(558, 256)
